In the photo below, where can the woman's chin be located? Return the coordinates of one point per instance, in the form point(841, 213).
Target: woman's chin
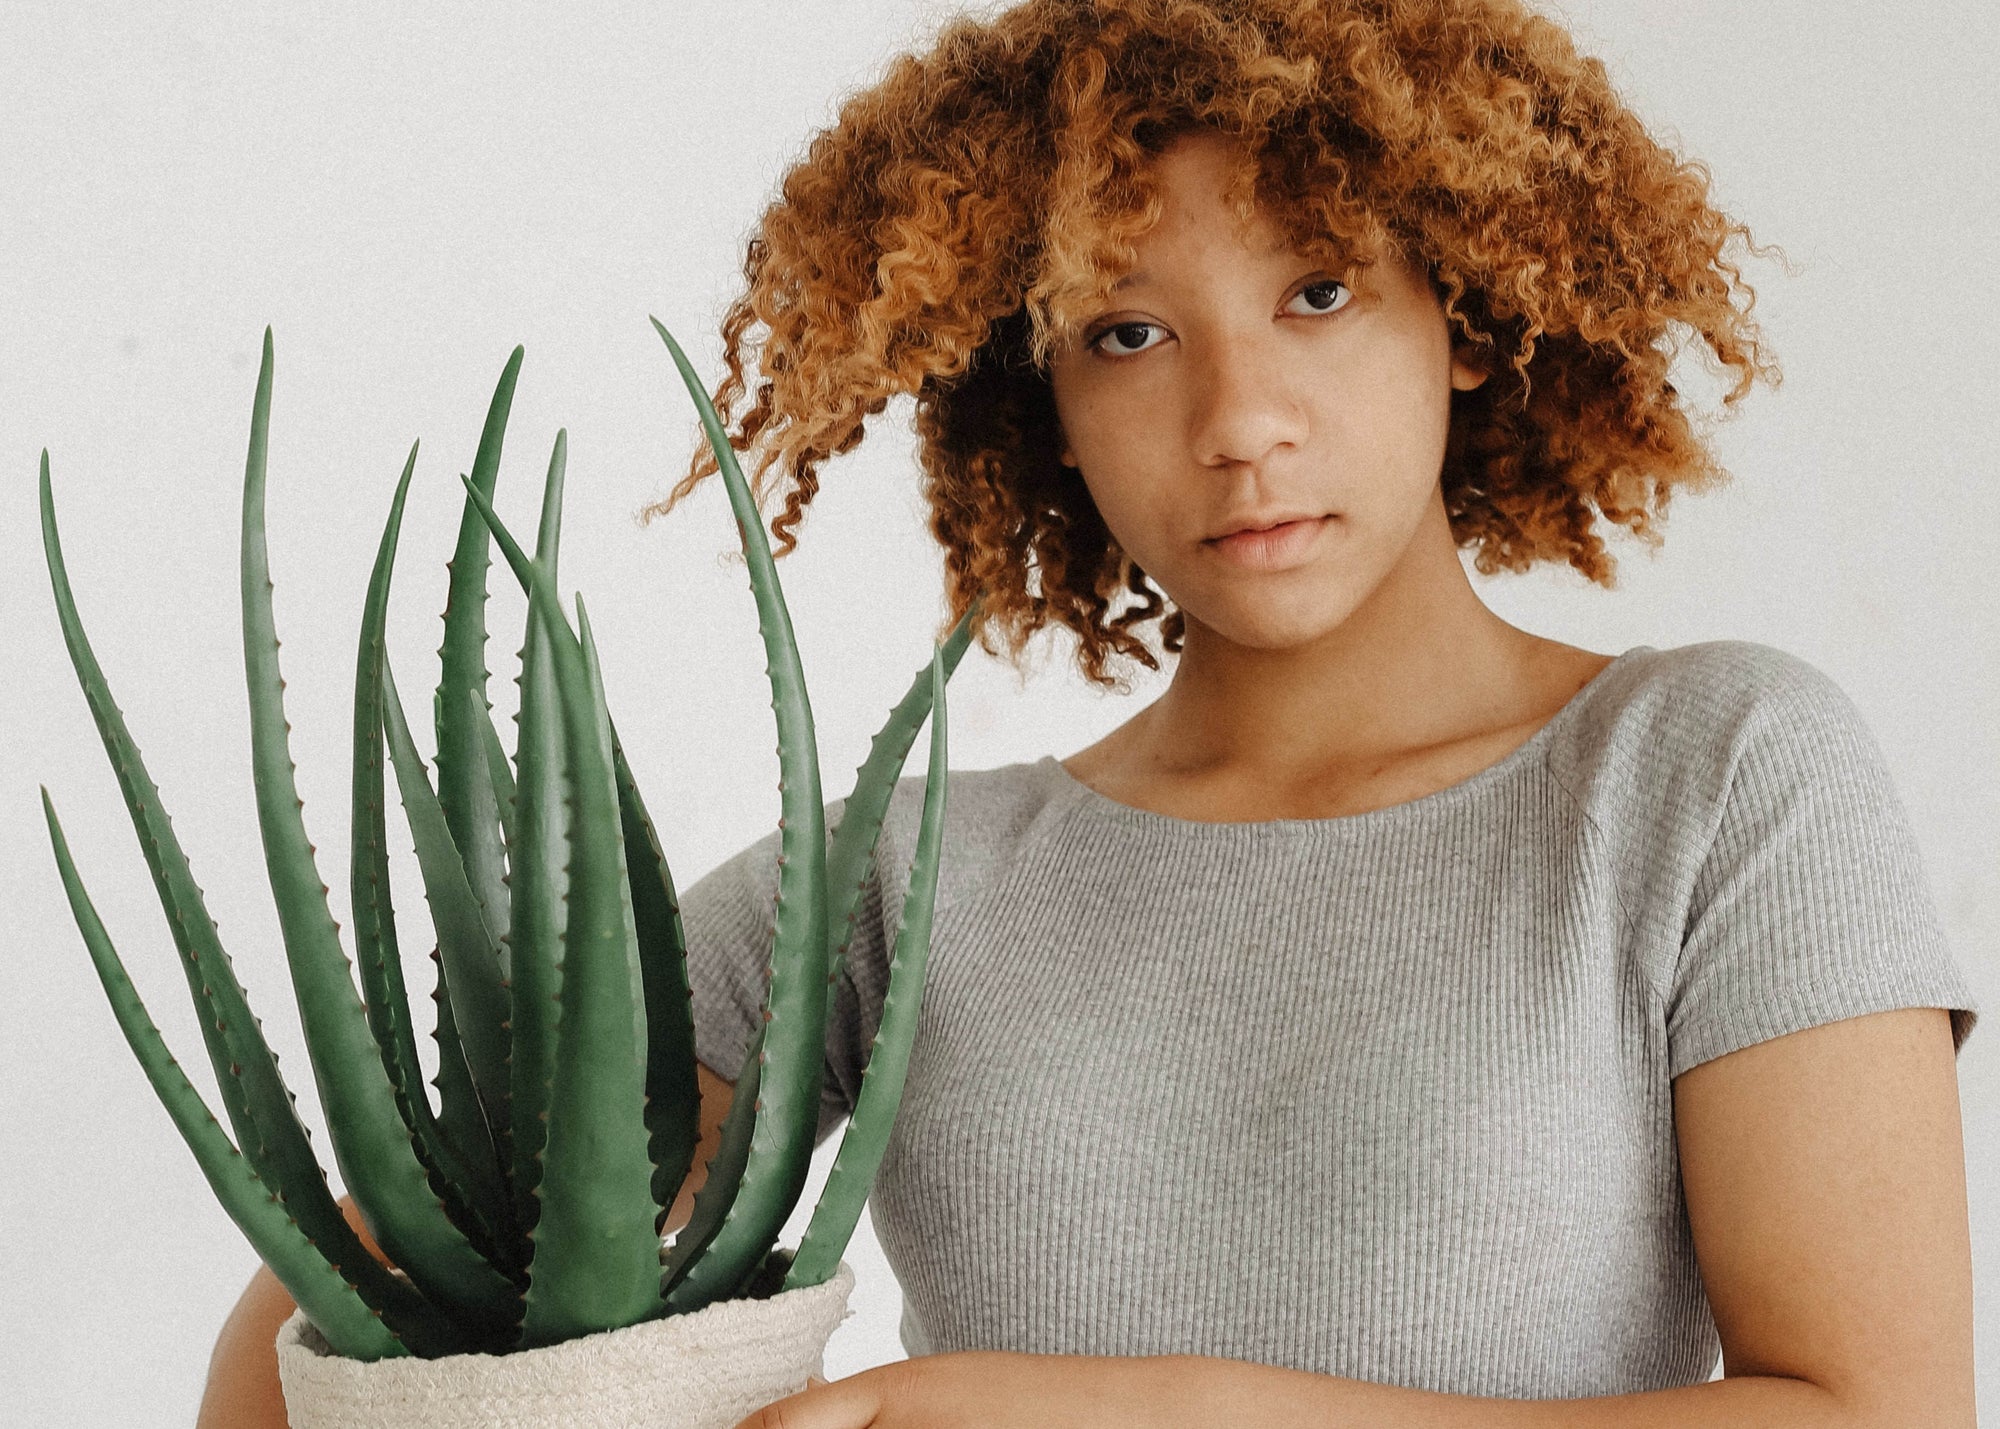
point(1267, 622)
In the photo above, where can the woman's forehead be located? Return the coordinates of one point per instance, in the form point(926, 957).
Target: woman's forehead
point(1200, 169)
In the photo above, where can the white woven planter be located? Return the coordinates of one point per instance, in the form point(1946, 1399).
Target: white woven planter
point(706, 1370)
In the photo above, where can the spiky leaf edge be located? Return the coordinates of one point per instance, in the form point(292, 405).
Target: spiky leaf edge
point(272, 1139)
point(793, 1047)
point(331, 1300)
point(875, 1104)
point(373, 1145)
point(538, 855)
point(596, 1259)
point(472, 998)
point(848, 865)
point(452, 1144)
point(463, 780)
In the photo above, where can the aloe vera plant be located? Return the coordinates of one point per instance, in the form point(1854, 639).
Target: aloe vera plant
point(528, 1205)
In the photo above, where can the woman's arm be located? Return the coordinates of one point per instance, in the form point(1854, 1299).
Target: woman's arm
point(243, 1390)
point(1824, 1173)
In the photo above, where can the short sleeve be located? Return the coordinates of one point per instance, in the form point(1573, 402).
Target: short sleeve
point(1811, 903)
point(729, 919)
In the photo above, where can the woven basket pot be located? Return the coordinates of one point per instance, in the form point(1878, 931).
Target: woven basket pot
point(705, 1370)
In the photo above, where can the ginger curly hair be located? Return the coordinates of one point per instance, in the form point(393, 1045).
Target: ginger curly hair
point(958, 218)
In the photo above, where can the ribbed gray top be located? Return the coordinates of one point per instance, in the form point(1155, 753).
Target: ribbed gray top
point(1386, 1096)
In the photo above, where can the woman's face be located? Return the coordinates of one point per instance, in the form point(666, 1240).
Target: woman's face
point(1238, 383)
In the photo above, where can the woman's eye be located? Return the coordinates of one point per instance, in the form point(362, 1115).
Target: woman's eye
point(1130, 336)
point(1328, 295)
point(1325, 296)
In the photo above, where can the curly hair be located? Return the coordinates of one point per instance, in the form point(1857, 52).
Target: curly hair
point(960, 216)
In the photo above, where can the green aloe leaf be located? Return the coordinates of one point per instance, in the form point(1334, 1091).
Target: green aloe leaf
point(724, 1175)
point(397, 1321)
point(867, 1135)
point(539, 858)
point(794, 1044)
point(462, 1122)
point(371, 1141)
point(853, 851)
point(254, 1095)
point(848, 862)
point(596, 1262)
point(475, 998)
point(463, 787)
point(499, 778)
point(673, 1094)
point(452, 1155)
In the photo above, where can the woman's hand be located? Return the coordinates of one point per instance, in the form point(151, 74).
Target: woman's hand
point(985, 1389)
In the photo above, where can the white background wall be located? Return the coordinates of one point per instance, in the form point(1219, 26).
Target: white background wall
point(405, 192)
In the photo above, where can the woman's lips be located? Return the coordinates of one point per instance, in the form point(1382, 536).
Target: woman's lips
point(1274, 549)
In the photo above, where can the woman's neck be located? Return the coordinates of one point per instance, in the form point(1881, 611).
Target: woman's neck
point(1419, 687)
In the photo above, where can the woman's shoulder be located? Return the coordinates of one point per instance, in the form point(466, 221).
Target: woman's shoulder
point(1716, 679)
point(985, 811)
point(1665, 733)
point(988, 812)
point(1705, 702)
point(988, 815)
point(1756, 828)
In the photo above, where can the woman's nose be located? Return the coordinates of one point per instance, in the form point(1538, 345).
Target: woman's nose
point(1243, 403)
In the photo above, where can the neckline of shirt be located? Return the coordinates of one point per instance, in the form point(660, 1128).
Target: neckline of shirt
point(1528, 754)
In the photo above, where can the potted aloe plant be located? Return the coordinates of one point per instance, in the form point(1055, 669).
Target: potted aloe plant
point(523, 1215)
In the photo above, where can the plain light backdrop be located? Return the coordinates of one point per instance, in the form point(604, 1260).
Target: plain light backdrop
point(403, 193)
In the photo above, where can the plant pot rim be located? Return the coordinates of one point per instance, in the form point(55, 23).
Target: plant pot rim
point(732, 1321)
point(707, 1369)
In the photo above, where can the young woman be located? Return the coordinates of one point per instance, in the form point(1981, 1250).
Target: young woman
point(1405, 1019)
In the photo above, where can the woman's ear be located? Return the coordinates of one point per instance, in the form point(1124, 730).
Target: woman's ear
point(1468, 370)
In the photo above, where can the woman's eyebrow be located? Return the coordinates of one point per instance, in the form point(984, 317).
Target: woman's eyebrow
point(1144, 280)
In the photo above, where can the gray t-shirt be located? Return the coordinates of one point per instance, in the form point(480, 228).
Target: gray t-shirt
point(1386, 1096)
